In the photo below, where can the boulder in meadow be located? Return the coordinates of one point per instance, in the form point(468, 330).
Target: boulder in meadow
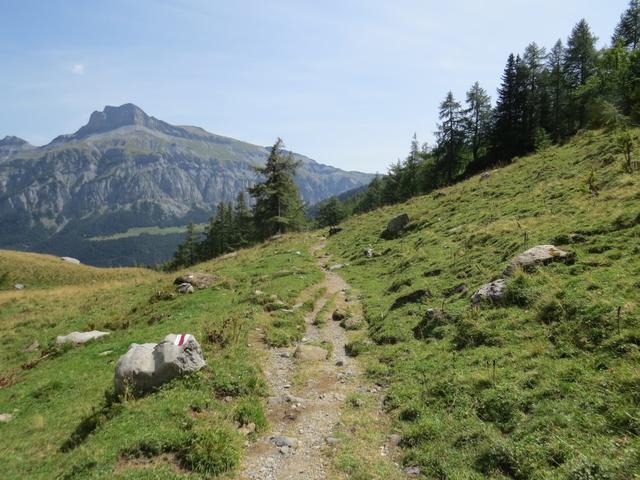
point(147, 366)
point(395, 226)
point(70, 260)
point(198, 280)
point(492, 292)
point(80, 337)
point(538, 255)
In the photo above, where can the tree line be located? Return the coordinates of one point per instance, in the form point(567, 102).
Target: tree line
point(544, 98)
point(277, 209)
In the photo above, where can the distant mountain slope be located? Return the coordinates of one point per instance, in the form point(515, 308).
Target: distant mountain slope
point(125, 169)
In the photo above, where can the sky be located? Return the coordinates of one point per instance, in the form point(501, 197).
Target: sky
point(345, 82)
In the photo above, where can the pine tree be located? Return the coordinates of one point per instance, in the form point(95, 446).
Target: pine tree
point(478, 115)
point(243, 231)
point(331, 212)
point(504, 135)
point(627, 32)
point(579, 66)
point(557, 90)
point(408, 182)
point(278, 207)
point(535, 101)
point(451, 137)
point(372, 197)
point(187, 252)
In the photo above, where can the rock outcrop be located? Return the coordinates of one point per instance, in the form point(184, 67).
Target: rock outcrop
point(147, 366)
point(395, 226)
point(198, 280)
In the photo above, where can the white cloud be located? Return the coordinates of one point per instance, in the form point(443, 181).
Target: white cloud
point(78, 68)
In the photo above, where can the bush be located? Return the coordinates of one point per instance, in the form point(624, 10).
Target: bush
point(214, 450)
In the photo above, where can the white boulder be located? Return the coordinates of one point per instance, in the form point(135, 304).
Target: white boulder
point(493, 292)
point(149, 365)
point(80, 337)
point(71, 260)
point(538, 255)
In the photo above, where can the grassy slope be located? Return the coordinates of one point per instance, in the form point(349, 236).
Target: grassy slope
point(38, 271)
point(66, 424)
point(564, 401)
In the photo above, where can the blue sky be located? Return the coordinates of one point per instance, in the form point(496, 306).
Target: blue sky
point(344, 82)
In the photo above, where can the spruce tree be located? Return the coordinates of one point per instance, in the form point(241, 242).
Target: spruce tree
point(243, 231)
point(627, 32)
point(187, 252)
point(408, 181)
point(579, 65)
point(451, 137)
point(331, 212)
point(278, 207)
point(557, 90)
point(504, 135)
point(478, 115)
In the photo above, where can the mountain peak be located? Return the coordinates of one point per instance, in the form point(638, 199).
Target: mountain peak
point(115, 117)
point(12, 141)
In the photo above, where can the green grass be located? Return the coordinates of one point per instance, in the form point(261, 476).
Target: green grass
point(545, 386)
point(66, 421)
point(137, 231)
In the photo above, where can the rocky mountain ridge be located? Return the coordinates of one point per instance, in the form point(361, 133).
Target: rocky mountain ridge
point(126, 169)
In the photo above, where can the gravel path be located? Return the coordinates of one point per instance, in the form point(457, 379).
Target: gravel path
point(306, 397)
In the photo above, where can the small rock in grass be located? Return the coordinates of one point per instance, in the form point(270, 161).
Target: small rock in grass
point(19, 286)
point(412, 471)
point(492, 292)
point(185, 288)
point(334, 230)
point(368, 253)
point(394, 440)
point(337, 266)
point(283, 441)
point(5, 417)
point(105, 353)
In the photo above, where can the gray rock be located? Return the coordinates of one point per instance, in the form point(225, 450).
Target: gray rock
point(19, 286)
point(283, 441)
point(492, 292)
point(149, 365)
point(310, 353)
point(395, 226)
point(71, 260)
point(80, 337)
point(185, 288)
point(198, 280)
point(538, 255)
point(334, 230)
point(5, 417)
point(412, 471)
point(486, 175)
point(351, 323)
point(337, 266)
point(368, 253)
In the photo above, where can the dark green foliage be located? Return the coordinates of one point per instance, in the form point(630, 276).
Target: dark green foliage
point(627, 32)
point(278, 207)
point(214, 450)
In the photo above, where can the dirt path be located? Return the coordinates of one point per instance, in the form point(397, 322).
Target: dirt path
point(306, 397)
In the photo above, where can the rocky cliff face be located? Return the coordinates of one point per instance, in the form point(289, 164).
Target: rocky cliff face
point(126, 169)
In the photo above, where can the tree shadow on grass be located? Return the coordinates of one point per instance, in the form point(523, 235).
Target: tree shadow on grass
point(111, 406)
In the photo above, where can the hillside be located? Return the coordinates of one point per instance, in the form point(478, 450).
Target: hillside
point(544, 385)
point(123, 170)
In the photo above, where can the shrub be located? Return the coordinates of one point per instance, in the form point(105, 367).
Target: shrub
point(250, 410)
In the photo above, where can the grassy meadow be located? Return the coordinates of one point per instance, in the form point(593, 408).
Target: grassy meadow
point(546, 386)
point(67, 422)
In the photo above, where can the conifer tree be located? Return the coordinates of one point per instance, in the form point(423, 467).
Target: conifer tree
point(187, 252)
point(331, 212)
point(557, 90)
point(243, 231)
point(579, 65)
point(504, 136)
point(478, 120)
point(451, 137)
point(278, 207)
point(627, 32)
